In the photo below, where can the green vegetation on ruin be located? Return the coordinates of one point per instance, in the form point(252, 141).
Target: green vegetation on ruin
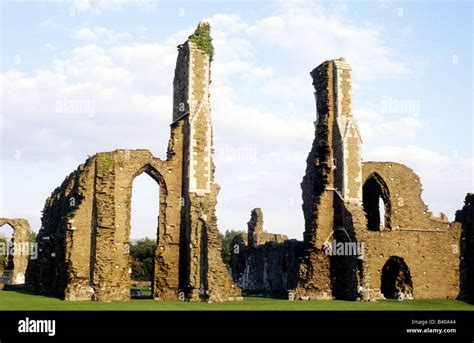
point(16, 300)
point(104, 162)
point(202, 38)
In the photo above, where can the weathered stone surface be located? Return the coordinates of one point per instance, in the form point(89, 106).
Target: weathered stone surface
point(429, 246)
point(466, 218)
point(17, 263)
point(263, 262)
point(353, 248)
point(404, 207)
point(256, 235)
point(85, 235)
point(331, 187)
point(341, 198)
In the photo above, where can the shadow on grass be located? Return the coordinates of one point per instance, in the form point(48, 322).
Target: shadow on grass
point(22, 289)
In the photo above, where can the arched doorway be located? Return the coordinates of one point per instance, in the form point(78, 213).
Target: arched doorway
point(396, 279)
point(6, 258)
point(376, 203)
point(144, 221)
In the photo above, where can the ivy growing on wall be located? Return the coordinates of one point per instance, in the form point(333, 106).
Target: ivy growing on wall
point(202, 38)
point(104, 162)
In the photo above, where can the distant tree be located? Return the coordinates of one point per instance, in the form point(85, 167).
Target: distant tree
point(142, 253)
point(226, 250)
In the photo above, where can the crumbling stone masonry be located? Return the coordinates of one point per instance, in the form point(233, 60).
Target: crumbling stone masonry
point(18, 261)
point(466, 217)
point(262, 262)
point(368, 234)
point(404, 253)
point(256, 235)
point(85, 235)
point(428, 245)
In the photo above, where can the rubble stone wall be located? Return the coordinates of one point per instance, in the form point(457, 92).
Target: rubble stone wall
point(19, 260)
point(407, 209)
point(85, 237)
point(465, 216)
point(263, 262)
point(431, 256)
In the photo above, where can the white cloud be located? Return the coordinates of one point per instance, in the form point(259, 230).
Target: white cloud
point(99, 6)
point(242, 69)
point(47, 23)
point(50, 47)
point(100, 34)
point(112, 100)
point(142, 29)
point(304, 33)
point(84, 34)
point(260, 126)
point(82, 5)
point(129, 85)
point(365, 114)
point(394, 130)
point(296, 87)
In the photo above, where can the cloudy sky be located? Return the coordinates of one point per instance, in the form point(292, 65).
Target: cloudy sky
point(114, 61)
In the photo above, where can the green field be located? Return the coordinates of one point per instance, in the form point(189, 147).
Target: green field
point(15, 300)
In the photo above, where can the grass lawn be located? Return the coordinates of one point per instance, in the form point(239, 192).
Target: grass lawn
point(15, 300)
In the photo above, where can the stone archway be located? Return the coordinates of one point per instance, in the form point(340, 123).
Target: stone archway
point(88, 216)
point(396, 280)
point(374, 192)
point(17, 262)
point(6, 257)
point(143, 236)
point(125, 232)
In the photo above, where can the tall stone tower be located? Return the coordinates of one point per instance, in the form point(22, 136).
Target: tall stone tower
point(346, 140)
point(332, 185)
point(203, 273)
point(334, 165)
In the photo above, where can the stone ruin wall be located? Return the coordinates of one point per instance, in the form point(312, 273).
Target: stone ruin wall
point(429, 245)
point(48, 274)
point(255, 233)
point(432, 257)
point(334, 191)
point(85, 231)
point(316, 201)
point(465, 216)
point(268, 269)
point(204, 270)
point(324, 172)
point(263, 262)
point(407, 209)
point(19, 260)
point(84, 239)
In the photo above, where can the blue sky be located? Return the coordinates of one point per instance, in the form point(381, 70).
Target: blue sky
point(119, 56)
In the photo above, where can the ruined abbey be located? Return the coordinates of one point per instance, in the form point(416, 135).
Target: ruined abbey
point(353, 248)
